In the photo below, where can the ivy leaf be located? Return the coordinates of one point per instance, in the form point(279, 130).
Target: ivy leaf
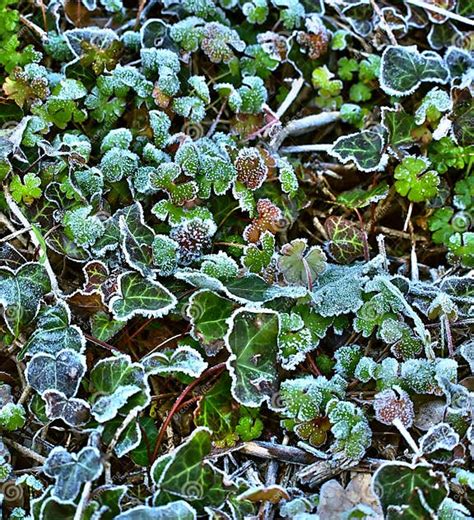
point(299, 264)
point(360, 198)
point(74, 412)
point(62, 371)
point(400, 126)
point(208, 314)
point(404, 488)
point(179, 510)
point(364, 148)
point(184, 473)
point(183, 360)
point(103, 327)
point(21, 292)
point(70, 471)
point(346, 240)
point(414, 182)
point(403, 69)
point(54, 333)
point(252, 343)
point(140, 296)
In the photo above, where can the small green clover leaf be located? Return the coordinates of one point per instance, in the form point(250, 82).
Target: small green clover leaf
point(12, 417)
point(414, 182)
point(27, 189)
point(70, 471)
point(256, 258)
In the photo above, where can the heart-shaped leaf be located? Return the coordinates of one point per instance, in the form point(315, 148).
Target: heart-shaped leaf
point(183, 360)
point(74, 412)
point(301, 265)
point(365, 148)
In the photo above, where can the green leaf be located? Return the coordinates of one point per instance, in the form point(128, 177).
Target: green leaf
point(257, 259)
point(403, 69)
point(179, 510)
point(208, 314)
point(414, 182)
point(414, 491)
point(252, 343)
point(140, 296)
point(400, 126)
point(21, 292)
point(184, 473)
point(12, 417)
point(364, 148)
point(103, 327)
point(26, 190)
point(299, 264)
point(183, 360)
point(360, 198)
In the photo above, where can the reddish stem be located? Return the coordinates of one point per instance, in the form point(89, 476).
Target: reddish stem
point(217, 369)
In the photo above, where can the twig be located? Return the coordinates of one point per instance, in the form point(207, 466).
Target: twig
point(296, 85)
point(306, 148)
point(216, 121)
point(42, 34)
point(83, 502)
point(11, 236)
point(24, 450)
point(269, 450)
point(100, 343)
point(384, 23)
point(217, 369)
point(440, 10)
point(406, 435)
point(322, 470)
point(303, 126)
point(24, 222)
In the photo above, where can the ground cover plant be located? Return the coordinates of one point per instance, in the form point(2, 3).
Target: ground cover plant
point(236, 259)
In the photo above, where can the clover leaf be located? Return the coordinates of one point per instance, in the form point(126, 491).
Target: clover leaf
point(414, 181)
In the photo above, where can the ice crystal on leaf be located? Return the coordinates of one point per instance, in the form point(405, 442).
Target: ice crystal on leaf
point(394, 404)
point(194, 238)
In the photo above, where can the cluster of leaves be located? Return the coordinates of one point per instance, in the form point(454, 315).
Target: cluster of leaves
point(172, 307)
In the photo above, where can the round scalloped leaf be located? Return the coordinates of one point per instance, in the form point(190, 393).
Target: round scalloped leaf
point(299, 265)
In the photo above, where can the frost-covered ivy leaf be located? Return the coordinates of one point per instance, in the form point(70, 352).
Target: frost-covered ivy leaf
point(62, 371)
point(220, 266)
point(403, 69)
point(414, 181)
point(467, 352)
point(182, 360)
point(400, 126)
point(208, 313)
point(137, 249)
point(103, 327)
point(299, 264)
point(74, 412)
point(252, 343)
point(184, 473)
point(179, 510)
point(459, 62)
point(339, 288)
point(365, 148)
point(54, 332)
point(246, 289)
point(436, 102)
point(106, 407)
point(140, 296)
point(346, 240)
point(70, 471)
point(441, 436)
point(21, 292)
point(405, 489)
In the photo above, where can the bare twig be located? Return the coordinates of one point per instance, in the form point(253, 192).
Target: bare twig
point(270, 450)
point(306, 148)
point(296, 85)
point(439, 10)
point(30, 454)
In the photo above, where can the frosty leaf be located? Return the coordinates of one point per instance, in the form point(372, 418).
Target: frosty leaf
point(439, 437)
point(360, 198)
point(12, 417)
point(435, 103)
point(164, 251)
point(138, 295)
point(305, 398)
point(347, 358)
point(21, 292)
point(339, 289)
point(179, 510)
point(54, 332)
point(252, 343)
point(185, 473)
point(400, 126)
point(83, 227)
point(218, 41)
point(70, 471)
point(137, 239)
point(246, 289)
point(257, 259)
point(350, 428)
point(301, 265)
point(394, 404)
point(294, 340)
point(208, 314)
point(403, 69)
point(287, 177)
point(413, 181)
point(346, 240)
point(404, 488)
point(220, 266)
point(183, 360)
point(467, 352)
point(74, 412)
point(160, 124)
point(103, 327)
point(365, 148)
point(106, 407)
point(62, 371)
point(251, 168)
